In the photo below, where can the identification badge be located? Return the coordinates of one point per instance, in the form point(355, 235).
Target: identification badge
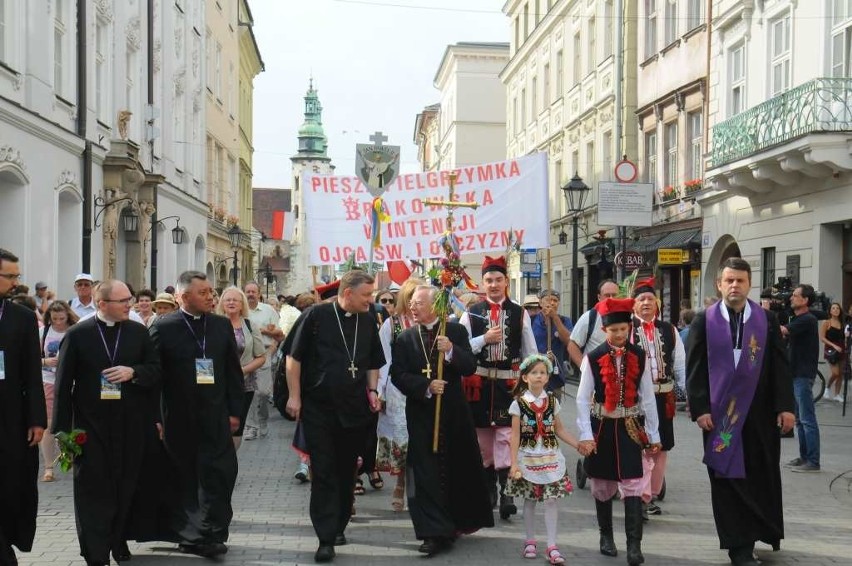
point(204, 371)
point(2, 365)
point(109, 391)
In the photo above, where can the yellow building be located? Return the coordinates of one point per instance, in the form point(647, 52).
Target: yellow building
point(251, 64)
point(222, 148)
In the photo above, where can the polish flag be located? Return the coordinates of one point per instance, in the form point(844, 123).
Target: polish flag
point(398, 271)
point(282, 228)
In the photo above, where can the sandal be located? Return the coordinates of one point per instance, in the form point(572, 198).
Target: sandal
point(48, 476)
point(530, 549)
point(359, 487)
point(554, 555)
point(397, 500)
point(376, 480)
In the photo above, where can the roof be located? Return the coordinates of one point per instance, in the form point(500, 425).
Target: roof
point(263, 202)
point(680, 239)
point(491, 45)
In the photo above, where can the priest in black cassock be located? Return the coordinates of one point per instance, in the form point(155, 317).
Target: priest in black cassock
point(202, 403)
point(447, 492)
point(108, 369)
point(741, 395)
point(22, 416)
point(333, 365)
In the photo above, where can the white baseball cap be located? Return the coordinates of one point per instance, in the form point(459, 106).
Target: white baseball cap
point(84, 277)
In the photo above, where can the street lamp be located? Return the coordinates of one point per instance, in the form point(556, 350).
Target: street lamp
point(235, 235)
point(575, 193)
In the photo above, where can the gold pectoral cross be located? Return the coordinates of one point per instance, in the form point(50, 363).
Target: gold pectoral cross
point(427, 372)
point(353, 369)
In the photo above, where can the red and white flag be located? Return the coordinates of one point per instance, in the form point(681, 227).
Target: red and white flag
point(282, 225)
point(398, 271)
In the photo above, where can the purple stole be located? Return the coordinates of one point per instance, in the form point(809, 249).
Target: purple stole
point(732, 388)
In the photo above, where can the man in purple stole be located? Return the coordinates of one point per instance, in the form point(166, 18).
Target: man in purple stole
point(740, 394)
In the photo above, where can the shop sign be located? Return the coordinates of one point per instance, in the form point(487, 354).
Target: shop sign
point(629, 260)
point(671, 256)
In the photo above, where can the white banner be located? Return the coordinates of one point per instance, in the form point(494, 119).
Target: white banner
point(512, 198)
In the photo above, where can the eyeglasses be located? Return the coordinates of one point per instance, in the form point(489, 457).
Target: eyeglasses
point(386, 301)
point(11, 276)
point(126, 301)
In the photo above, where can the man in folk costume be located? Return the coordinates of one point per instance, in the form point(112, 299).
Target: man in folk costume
point(740, 394)
point(447, 494)
point(615, 391)
point(500, 337)
point(664, 353)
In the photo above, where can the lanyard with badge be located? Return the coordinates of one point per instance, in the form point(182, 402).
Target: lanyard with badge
point(2, 353)
point(110, 391)
point(203, 365)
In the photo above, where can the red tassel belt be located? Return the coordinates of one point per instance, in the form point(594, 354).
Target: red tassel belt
point(472, 386)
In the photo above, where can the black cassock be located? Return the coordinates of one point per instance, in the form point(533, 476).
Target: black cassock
point(107, 472)
point(447, 491)
point(335, 408)
point(747, 510)
point(197, 433)
point(21, 407)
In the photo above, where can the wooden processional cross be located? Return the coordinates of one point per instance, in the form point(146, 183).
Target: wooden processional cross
point(451, 204)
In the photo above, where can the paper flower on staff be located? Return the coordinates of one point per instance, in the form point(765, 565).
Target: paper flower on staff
point(378, 214)
point(451, 273)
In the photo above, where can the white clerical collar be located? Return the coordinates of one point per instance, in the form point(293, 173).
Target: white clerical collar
point(103, 319)
point(190, 315)
point(430, 325)
point(343, 310)
point(724, 310)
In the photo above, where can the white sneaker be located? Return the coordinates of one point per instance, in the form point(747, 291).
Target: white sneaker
point(828, 396)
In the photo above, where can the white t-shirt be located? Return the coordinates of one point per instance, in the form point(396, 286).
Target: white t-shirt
point(50, 349)
point(262, 316)
point(581, 330)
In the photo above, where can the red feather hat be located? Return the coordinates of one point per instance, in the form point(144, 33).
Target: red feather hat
point(613, 311)
point(643, 286)
point(494, 264)
point(328, 291)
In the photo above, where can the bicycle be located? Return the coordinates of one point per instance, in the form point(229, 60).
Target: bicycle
point(818, 388)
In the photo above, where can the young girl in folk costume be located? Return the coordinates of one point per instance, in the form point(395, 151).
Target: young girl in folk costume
point(538, 471)
point(615, 392)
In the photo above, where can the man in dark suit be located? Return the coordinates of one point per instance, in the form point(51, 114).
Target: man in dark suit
point(202, 403)
point(107, 372)
point(22, 416)
point(447, 491)
point(333, 361)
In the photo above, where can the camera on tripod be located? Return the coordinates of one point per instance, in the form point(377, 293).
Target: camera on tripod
point(779, 301)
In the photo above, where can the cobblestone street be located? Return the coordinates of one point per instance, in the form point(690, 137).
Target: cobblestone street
point(271, 524)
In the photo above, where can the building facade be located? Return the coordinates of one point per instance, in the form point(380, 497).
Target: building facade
point(87, 142)
point(311, 156)
point(671, 107)
point(564, 97)
point(778, 172)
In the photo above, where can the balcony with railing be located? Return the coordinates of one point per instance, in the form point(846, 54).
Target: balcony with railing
point(769, 142)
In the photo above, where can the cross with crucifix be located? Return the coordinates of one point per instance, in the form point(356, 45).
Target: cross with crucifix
point(428, 371)
point(451, 204)
point(353, 369)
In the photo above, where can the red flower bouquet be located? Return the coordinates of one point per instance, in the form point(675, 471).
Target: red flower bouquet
point(70, 446)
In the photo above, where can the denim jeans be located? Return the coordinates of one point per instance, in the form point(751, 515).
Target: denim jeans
point(807, 428)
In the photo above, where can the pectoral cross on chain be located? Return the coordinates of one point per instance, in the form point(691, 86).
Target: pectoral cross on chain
point(451, 204)
point(427, 372)
point(353, 369)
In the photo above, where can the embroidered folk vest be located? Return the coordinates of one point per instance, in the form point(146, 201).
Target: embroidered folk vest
point(538, 422)
point(666, 343)
point(511, 319)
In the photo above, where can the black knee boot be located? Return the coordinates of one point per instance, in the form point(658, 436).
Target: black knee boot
point(607, 543)
point(507, 503)
point(491, 482)
point(633, 528)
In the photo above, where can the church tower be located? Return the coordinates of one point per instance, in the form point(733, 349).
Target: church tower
point(312, 157)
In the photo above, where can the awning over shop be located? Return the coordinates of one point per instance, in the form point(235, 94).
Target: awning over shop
point(595, 246)
point(646, 243)
point(679, 239)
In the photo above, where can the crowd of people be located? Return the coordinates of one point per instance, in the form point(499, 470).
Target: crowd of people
point(464, 413)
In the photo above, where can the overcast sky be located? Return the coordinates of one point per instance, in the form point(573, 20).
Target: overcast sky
point(372, 61)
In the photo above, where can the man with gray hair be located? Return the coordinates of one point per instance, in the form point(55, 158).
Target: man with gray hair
point(202, 403)
point(333, 361)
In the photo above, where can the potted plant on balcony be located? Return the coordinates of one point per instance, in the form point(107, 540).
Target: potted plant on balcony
point(219, 213)
point(693, 186)
point(670, 193)
point(232, 220)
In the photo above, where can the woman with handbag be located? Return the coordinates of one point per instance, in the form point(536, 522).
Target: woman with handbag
point(831, 334)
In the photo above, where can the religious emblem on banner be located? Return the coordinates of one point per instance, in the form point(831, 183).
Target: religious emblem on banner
point(377, 165)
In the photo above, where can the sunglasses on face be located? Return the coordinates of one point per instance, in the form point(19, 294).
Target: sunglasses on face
point(386, 301)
